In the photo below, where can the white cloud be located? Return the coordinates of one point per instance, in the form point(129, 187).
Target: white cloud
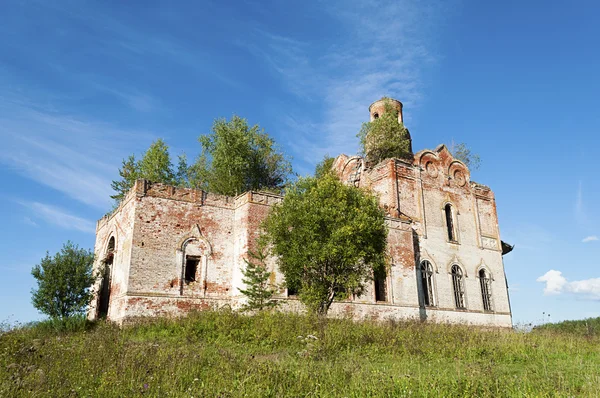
point(557, 284)
point(590, 238)
point(384, 48)
point(554, 280)
point(71, 154)
point(60, 217)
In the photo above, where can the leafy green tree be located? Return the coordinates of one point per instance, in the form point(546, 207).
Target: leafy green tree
point(330, 239)
point(129, 173)
point(236, 158)
point(64, 282)
point(183, 171)
point(155, 165)
point(463, 153)
point(259, 289)
point(385, 137)
point(324, 166)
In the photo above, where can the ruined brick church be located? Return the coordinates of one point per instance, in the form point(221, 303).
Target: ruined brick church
point(169, 250)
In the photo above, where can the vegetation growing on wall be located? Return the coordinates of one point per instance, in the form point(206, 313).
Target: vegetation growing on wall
point(385, 137)
point(237, 158)
point(155, 165)
point(463, 153)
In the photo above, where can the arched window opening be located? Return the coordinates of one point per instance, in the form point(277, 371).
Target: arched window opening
point(486, 295)
point(458, 286)
point(427, 283)
point(193, 266)
point(104, 297)
point(450, 223)
point(376, 115)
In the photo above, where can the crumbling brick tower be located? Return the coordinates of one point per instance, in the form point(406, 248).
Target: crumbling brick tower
point(168, 250)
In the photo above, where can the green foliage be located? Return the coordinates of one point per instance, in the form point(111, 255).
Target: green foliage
point(385, 138)
point(129, 173)
point(257, 279)
point(155, 165)
point(64, 282)
point(583, 327)
point(329, 238)
point(226, 354)
point(182, 173)
point(237, 158)
point(72, 324)
point(324, 166)
point(463, 153)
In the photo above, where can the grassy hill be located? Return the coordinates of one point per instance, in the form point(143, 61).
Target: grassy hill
point(224, 354)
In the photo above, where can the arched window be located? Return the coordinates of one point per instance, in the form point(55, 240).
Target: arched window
point(486, 295)
point(427, 282)
point(458, 286)
point(104, 296)
point(450, 223)
point(193, 253)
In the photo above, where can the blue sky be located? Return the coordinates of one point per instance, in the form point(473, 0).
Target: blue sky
point(84, 84)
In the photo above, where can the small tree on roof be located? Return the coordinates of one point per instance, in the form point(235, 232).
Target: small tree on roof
point(385, 137)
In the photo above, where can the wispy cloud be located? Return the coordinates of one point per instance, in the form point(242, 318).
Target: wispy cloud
point(382, 49)
point(72, 154)
point(59, 217)
point(557, 284)
point(590, 238)
point(29, 221)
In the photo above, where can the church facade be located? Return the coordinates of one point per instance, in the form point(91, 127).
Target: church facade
point(169, 250)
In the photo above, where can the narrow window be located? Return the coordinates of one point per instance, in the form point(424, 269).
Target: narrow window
point(191, 268)
point(484, 281)
point(104, 296)
point(427, 283)
point(380, 288)
point(450, 223)
point(457, 284)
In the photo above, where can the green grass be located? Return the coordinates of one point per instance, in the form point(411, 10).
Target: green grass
point(583, 327)
point(225, 354)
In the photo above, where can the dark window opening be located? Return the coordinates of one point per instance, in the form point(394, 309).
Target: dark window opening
point(104, 299)
point(104, 294)
point(292, 291)
point(427, 283)
point(191, 268)
point(486, 295)
point(457, 284)
point(376, 116)
point(450, 223)
point(380, 288)
point(111, 245)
